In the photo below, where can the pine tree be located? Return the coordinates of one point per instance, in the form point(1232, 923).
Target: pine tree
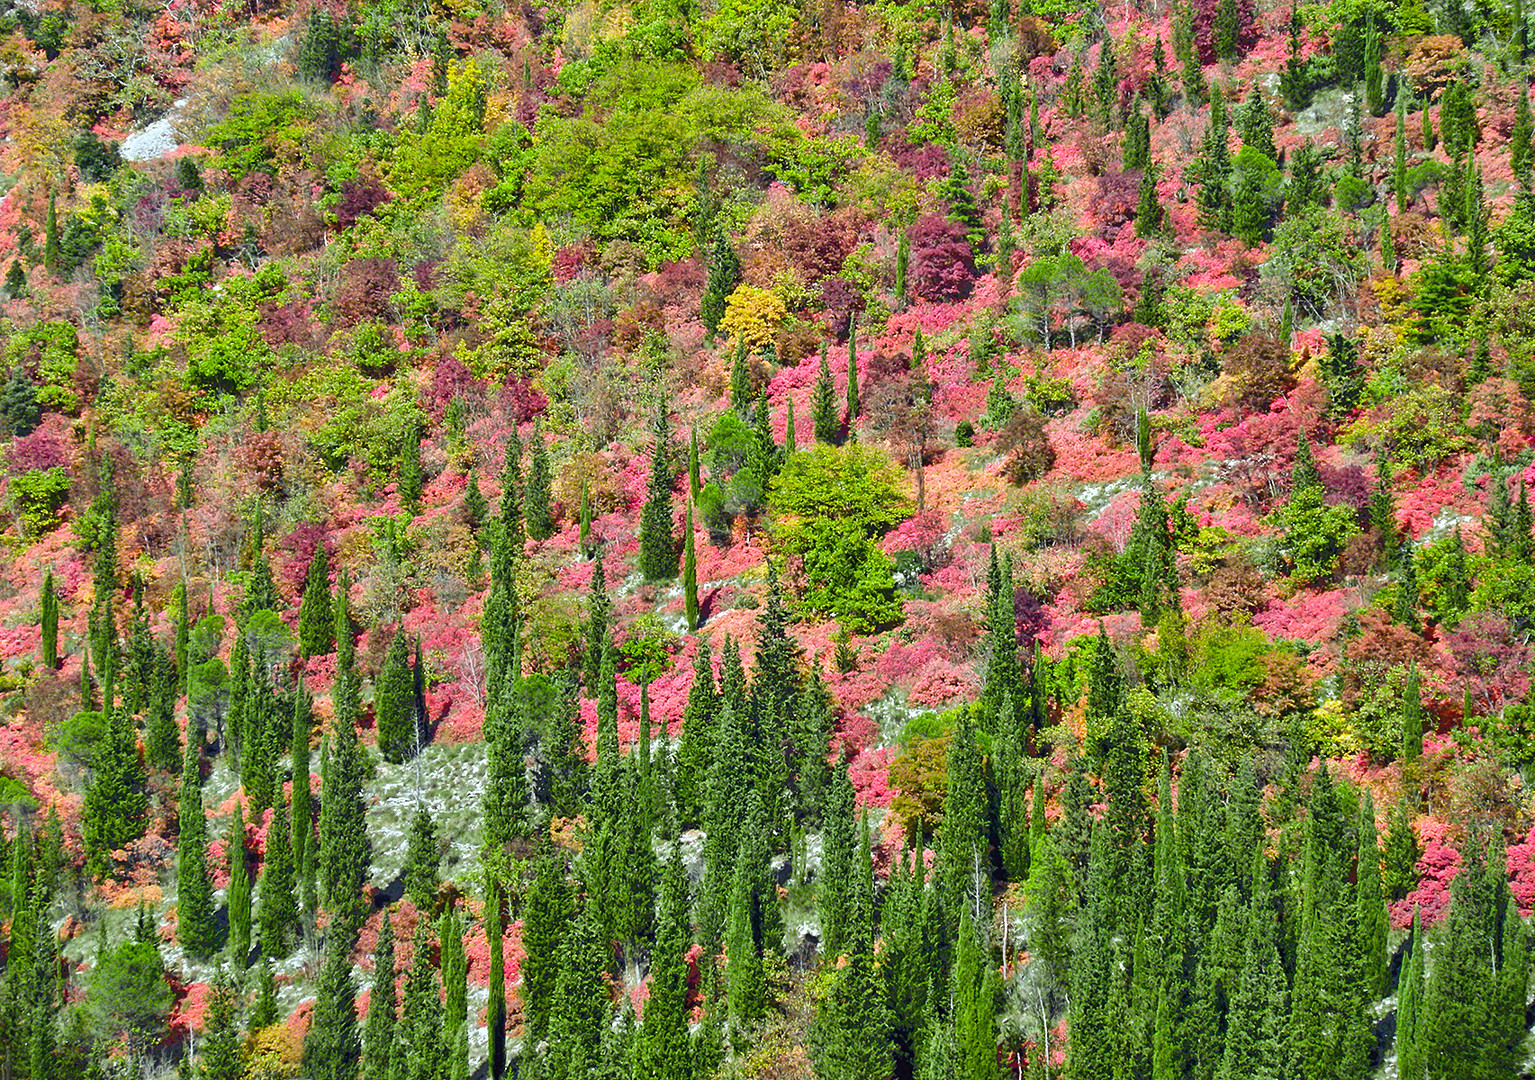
point(238, 895)
point(50, 621)
point(316, 621)
point(422, 857)
point(195, 928)
point(279, 897)
point(398, 727)
point(658, 548)
point(383, 1008)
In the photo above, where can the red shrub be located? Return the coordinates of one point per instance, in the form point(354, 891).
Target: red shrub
point(364, 291)
point(942, 264)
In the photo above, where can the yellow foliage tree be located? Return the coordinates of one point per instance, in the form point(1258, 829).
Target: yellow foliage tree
point(752, 317)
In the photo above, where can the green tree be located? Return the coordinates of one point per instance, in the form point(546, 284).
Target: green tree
point(658, 547)
point(581, 1011)
point(663, 1049)
point(316, 621)
point(546, 918)
point(399, 728)
point(823, 403)
point(419, 1051)
point(383, 1008)
point(130, 998)
point(539, 512)
point(422, 857)
point(454, 964)
point(49, 603)
point(279, 896)
point(331, 1045)
point(852, 378)
point(219, 1048)
point(724, 275)
point(116, 799)
point(689, 572)
point(238, 895)
point(195, 928)
point(345, 851)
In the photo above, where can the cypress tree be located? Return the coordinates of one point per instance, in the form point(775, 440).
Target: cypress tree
point(902, 261)
point(689, 572)
point(834, 887)
point(411, 481)
point(1370, 918)
point(695, 748)
point(383, 1008)
point(495, 1007)
point(316, 621)
point(1214, 168)
point(850, 1034)
point(1410, 1062)
point(113, 814)
point(1092, 1053)
point(398, 727)
point(279, 899)
point(724, 275)
point(663, 1048)
point(455, 983)
point(975, 987)
point(789, 444)
point(264, 1014)
point(195, 928)
point(422, 856)
point(162, 736)
point(823, 403)
point(581, 1003)
point(50, 619)
point(303, 803)
point(332, 1046)
point(852, 378)
point(345, 851)
point(1520, 139)
point(238, 896)
point(745, 981)
point(694, 485)
point(964, 860)
point(1254, 1044)
point(219, 1049)
point(183, 636)
point(539, 512)
point(546, 916)
point(241, 700)
point(658, 548)
point(419, 1051)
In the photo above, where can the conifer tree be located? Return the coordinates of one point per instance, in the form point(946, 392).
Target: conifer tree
point(162, 735)
point(1410, 1062)
point(1521, 138)
point(316, 621)
point(183, 635)
point(724, 274)
point(745, 982)
point(332, 1046)
point(689, 572)
point(1370, 918)
point(195, 928)
point(495, 1006)
point(1213, 168)
point(422, 857)
point(975, 987)
point(303, 804)
point(279, 898)
point(345, 851)
point(116, 799)
point(238, 896)
point(696, 745)
point(1254, 1042)
point(383, 1008)
point(419, 1051)
point(455, 982)
point(694, 480)
point(663, 1047)
point(581, 1004)
point(410, 481)
point(658, 548)
point(219, 1048)
point(545, 920)
point(50, 621)
point(852, 378)
point(539, 512)
point(398, 727)
point(823, 403)
point(964, 860)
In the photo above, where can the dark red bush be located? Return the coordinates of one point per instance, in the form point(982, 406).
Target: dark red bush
point(364, 291)
point(942, 265)
point(359, 198)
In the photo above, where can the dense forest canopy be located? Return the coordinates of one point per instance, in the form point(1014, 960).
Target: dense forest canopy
point(652, 540)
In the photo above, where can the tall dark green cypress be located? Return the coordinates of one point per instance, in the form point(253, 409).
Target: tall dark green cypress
point(345, 851)
point(383, 1008)
point(663, 1049)
point(303, 803)
point(495, 1006)
point(332, 1045)
point(658, 548)
point(116, 798)
point(420, 1052)
point(316, 621)
point(823, 402)
point(539, 511)
point(399, 729)
point(1371, 922)
point(724, 274)
point(454, 964)
point(238, 895)
point(1410, 1063)
point(975, 987)
point(581, 1004)
point(689, 572)
point(49, 602)
point(195, 928)
point(422, 857)
point(852, 379)
point(546, 919)
point(279, 896)
point(696, 745)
